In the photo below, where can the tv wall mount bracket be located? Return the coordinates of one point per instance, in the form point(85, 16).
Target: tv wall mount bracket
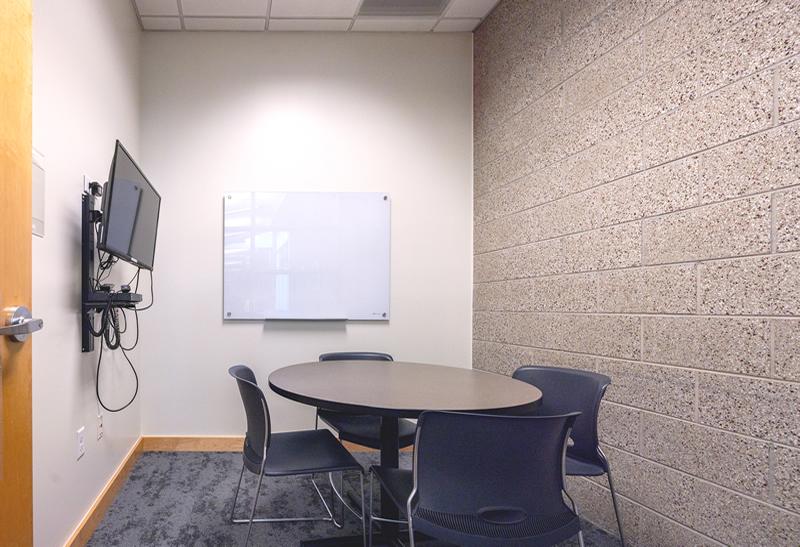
point(92, 300)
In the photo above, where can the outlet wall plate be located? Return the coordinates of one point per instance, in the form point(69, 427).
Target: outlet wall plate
point(81, 437)
point(37, 193)
point(99, 426)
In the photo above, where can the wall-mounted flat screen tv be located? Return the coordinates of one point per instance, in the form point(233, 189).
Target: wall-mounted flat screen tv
point(130, 212)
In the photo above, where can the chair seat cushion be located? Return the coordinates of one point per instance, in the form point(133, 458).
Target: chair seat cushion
point(472, 530)
point(301, 453)
point(398, 483)
point(366, 430)
point(583, 468)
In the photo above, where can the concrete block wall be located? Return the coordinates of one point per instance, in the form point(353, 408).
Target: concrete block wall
point(637, 213)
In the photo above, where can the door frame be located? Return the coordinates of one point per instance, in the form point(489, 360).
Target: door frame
point(16, 476)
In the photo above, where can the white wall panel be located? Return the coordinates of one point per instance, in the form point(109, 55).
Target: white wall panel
point(311, 113)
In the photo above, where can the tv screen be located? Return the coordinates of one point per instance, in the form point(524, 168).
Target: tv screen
point(130, 212)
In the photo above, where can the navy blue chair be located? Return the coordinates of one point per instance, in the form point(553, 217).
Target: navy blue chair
point(482, 480)
point(570, 390)
point(285, 454)
point(359, 429)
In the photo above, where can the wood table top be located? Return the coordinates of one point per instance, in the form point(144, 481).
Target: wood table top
point(401, 389)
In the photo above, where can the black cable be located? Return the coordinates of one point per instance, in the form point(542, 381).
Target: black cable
point(90, 322)
point(125, 317)
point(135, 278)
point(136, 341)
point(104, 264)
point(110, 332)
point(150, 305)
point(112, 335)
point(103, 270)
point(97, 383)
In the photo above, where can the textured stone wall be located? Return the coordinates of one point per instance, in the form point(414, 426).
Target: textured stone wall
point(637, 212)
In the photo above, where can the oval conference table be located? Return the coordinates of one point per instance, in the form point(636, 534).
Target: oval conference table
point(394, 390)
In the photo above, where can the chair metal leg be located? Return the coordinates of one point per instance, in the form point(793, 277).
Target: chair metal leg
point(329, 510)
point(616, 507)
point(236, 494)
point(575, 510)
point(372, 517)
point(334, 494)
point(363, 504)
point(369, 514)
point(411, 532)
point(339, 492)
point(341, 495)
point(253, 511)
point(328, 518)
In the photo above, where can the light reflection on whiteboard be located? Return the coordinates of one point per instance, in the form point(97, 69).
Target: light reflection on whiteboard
point(306, 255)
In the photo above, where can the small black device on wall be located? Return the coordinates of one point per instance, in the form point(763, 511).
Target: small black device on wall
point(124, 228)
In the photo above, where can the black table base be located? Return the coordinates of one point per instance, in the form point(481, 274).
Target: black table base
point(378, 540)
point(350, 541)
point(390, 458)
point(388, 536)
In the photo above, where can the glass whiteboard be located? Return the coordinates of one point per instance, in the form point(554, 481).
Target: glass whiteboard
point(306, 255)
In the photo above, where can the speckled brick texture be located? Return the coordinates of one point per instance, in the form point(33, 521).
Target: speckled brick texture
point(637, 213)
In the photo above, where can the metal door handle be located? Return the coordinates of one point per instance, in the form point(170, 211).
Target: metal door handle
point(19, 323)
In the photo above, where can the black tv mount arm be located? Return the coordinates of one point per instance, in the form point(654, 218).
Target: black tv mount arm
point(92, 300)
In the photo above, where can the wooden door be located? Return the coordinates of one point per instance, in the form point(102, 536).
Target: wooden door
point(16, 492)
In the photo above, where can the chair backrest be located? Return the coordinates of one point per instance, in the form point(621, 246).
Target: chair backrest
point(493, 476)
point(355, 356)
point(259, 427)
point(569, 390)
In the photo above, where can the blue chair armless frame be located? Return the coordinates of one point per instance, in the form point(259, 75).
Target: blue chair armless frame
point(568, 390)
point(301, 453)
point(464, 487)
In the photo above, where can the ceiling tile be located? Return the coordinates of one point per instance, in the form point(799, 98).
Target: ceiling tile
point(457, 25)
point(314, 8)
point(225, 8)
point(157, 7)
point(223, 23)
point(393, 24)
point(309, 24)
point(468, 8)
point(161, 23)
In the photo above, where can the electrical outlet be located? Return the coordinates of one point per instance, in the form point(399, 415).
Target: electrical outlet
point(81, 441)
point(99, 426)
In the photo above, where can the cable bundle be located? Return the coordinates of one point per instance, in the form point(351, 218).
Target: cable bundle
point(111, 325)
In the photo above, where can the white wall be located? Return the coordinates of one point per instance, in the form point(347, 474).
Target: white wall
point(85, 94)
point(357, 112)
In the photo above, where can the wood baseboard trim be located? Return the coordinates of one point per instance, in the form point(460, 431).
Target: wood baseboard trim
point(202, 443)
point(199, 443)
point(352, 447)
point(97, 511)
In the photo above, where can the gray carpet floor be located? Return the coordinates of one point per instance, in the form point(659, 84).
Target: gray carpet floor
point(184, 499)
